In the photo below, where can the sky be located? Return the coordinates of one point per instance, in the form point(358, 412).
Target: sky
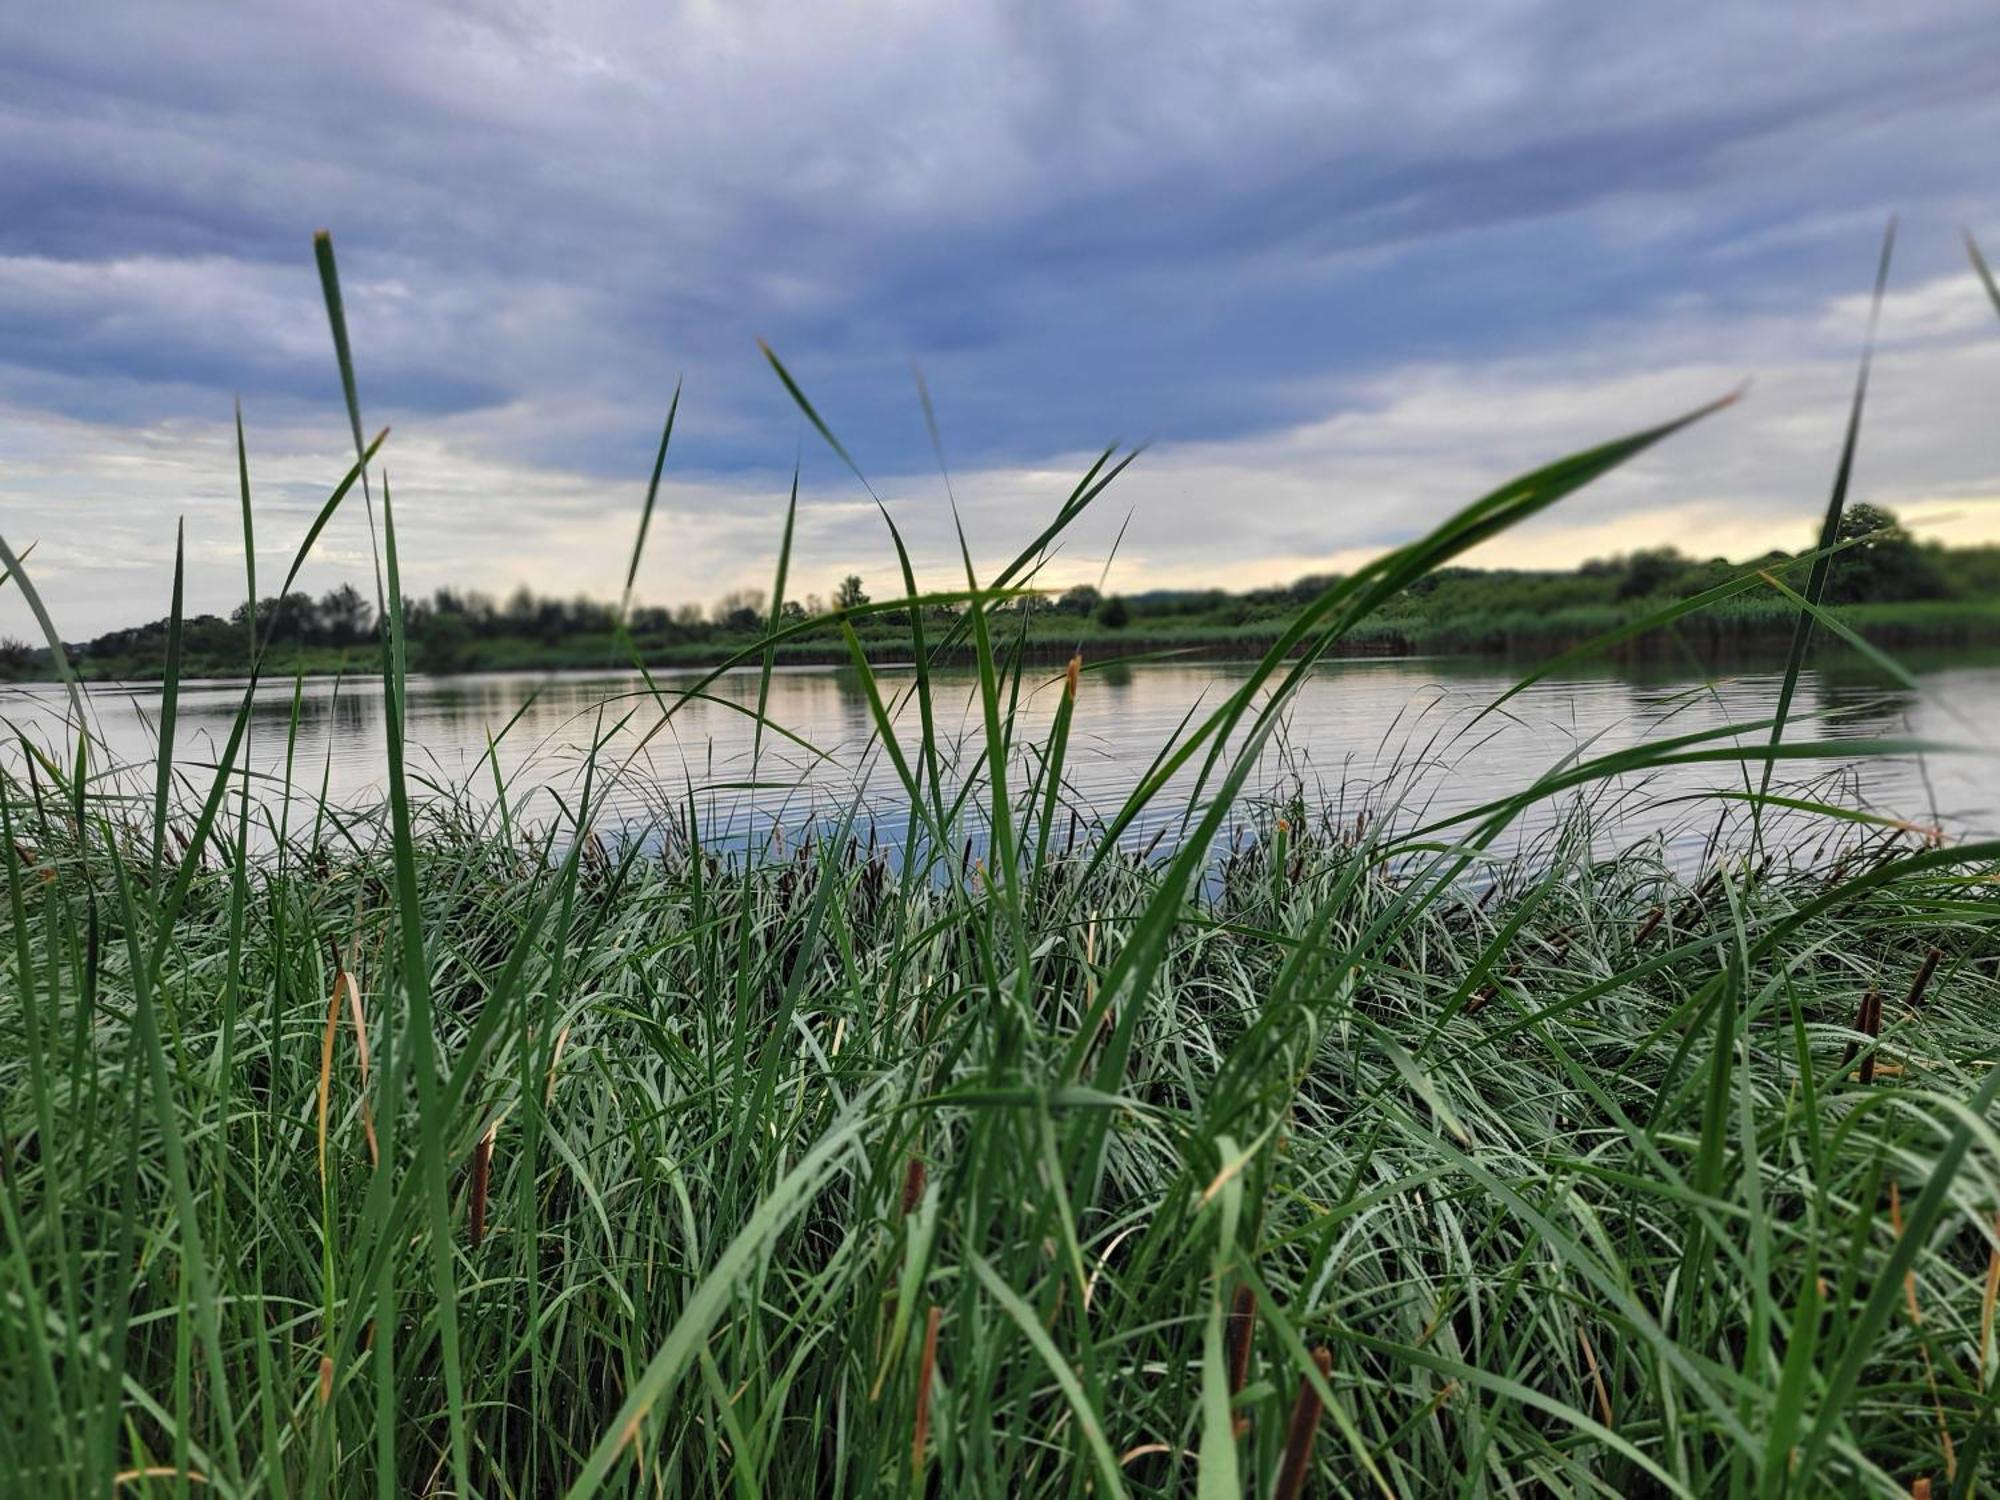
point(1341, 267)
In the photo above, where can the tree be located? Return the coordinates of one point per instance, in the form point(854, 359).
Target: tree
point(296, 616)
point(591, 615)
point(551, 621)
point(849, 594)
point(740, 609)
point(1310, 587)
point(1650, 570)
point(16, 657)
point(1112, 613)
point(441, 647)
point(1891, 565)
point(1080, 600)
point(519, 611)
point(345, 615)
point(417, 615)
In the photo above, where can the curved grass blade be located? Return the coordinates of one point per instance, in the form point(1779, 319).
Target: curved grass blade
point(1836, 504)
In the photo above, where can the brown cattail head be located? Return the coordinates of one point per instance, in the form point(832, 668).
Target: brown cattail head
point(1867, 1021)
point(482, 1165)
point(1923, 979)
point(1653, 920)
point(913, 1184)
point(1297, 1462)
point(325, 1378)
point(1871, 1024)
point(1240, 1334)
point(1070, 676)
point(1920, 1489)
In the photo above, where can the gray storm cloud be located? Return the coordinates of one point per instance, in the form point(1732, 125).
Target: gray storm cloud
point(1344, 267)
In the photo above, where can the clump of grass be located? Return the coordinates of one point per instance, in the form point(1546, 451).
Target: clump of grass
point(674, 1165)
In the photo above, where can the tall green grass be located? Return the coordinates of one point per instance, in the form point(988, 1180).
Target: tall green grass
point(1321, 1148)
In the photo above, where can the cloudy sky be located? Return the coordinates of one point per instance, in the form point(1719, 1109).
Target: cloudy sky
point(1343, 265)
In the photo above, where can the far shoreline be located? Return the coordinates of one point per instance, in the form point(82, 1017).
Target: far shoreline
point(1688, 651)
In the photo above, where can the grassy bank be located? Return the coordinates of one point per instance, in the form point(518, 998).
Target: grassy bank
point(981, 1150)
point(1560, 1207)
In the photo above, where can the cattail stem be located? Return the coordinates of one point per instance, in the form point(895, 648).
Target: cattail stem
point(1923, 979)
point(482, 1165)
point(1646, 928)
point(1867, 1021)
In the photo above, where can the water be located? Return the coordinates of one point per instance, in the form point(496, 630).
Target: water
point(1405, 732)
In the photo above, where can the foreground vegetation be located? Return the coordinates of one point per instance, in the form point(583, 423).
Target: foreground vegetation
point(770, 1165)
point(979, 1147)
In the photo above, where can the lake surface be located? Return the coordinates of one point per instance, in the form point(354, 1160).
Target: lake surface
point(1403, 732)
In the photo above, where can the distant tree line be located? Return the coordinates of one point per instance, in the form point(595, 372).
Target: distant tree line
point(455, 629)
point(444, 630)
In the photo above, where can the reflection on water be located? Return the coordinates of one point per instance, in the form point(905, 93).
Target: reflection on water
point(1406, 732)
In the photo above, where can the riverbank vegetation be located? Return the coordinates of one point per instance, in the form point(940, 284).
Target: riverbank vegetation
point(1894, 590)
point(792, 1174)
point(980, 1141)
